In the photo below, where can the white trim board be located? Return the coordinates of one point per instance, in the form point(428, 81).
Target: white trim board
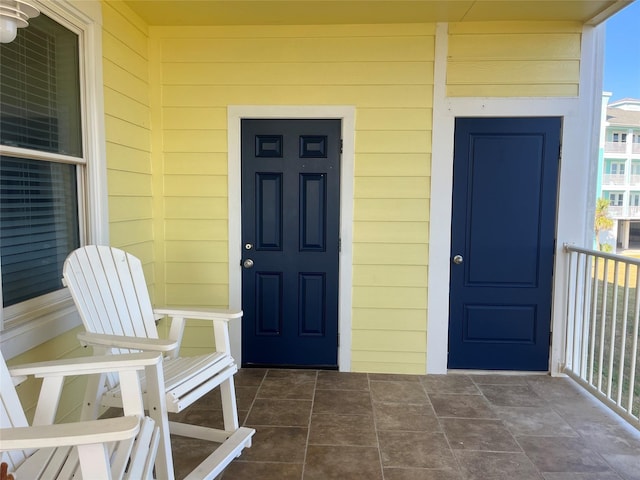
point(346, 114)
point(574, 193)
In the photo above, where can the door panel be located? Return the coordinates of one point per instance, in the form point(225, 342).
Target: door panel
point(290, 231)
point(503, 227)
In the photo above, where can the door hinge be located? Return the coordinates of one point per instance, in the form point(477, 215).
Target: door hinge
point(339, 245)
point(338, 339)
point(341, 145)
point(550, 338)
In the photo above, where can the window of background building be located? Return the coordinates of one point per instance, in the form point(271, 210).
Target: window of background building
point(620, 137)
point(615, 199)
point(42, 162)
point(617, 169)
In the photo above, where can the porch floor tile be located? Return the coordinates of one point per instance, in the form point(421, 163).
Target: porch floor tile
point(349, 426)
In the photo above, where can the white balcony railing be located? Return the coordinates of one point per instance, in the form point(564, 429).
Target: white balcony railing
point(635, 148)
point(616, 211)
point(634, 211)
point(615, 147)
point(603, 316)
point(634, 179)
point(613, 179)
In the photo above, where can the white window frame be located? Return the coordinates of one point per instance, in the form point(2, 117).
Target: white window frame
point(26, 325)
point(619, 137)
point(619, 168)
point(616, 199)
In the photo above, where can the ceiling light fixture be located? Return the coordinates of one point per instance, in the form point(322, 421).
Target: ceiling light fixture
point(14, 14)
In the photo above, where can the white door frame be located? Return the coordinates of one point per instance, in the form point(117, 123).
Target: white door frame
point(346, 114)
point(575, 193)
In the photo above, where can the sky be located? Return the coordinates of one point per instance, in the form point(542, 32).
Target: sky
point(622, 54)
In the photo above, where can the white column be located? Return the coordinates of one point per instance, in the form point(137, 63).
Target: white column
point(626, 224)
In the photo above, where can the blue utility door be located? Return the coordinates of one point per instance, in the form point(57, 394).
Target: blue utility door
point(290, 242)
point(505, 177)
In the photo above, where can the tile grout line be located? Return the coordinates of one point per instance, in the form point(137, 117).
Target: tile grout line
point(244, 422)
point(444, 434)
point(306, 445)
point(375, 427)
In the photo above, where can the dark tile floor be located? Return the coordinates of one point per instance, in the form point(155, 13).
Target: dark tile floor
point(324, 425)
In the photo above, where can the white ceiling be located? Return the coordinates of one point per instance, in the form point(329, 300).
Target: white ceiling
point(320, 12)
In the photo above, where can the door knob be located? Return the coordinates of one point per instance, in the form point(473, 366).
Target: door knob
point(248, 263)
point(458, 259)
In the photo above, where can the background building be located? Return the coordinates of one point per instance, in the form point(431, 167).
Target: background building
point(619, 172)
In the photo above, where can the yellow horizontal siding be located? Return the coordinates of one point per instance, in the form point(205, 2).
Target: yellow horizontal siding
point(201, 273)
point(403, 164)
point(385, 71)
point(513, 72)
point(197, 340)
point(314, 73)
point(389, 254)
point(259, 32)
point(368, 141)
point(394, 187)
point(389, 319)
point(123, 183)
point(388, 341)
point(116, 50)
point(392, 210)
point(125, 25)
point(195, 207)
point(194, 118)
point(127, 123)
point(394, 119)
point(144, 252)
point(124, 133)
point(521, 46)
point(408, 96)
point(390, 275)
point(196, 251)
point(195, 163)
point(115, 75)
point(391, 232)
point(532, 90)
point(404, 48)
point(389, 297)
point(195, 141)
point(513, 59)
point(377, 357)
point(129, 232)
point(196, 186)
point(189, 229)
point(123, 157)
point(129, 208)
point(196, 295)
point(125, 108)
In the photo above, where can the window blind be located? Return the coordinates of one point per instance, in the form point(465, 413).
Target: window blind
point(38, 225)
point(39, 89)
point(39, 111)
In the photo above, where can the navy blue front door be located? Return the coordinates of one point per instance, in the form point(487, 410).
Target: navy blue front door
point(290, 242)
point(502, 242)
